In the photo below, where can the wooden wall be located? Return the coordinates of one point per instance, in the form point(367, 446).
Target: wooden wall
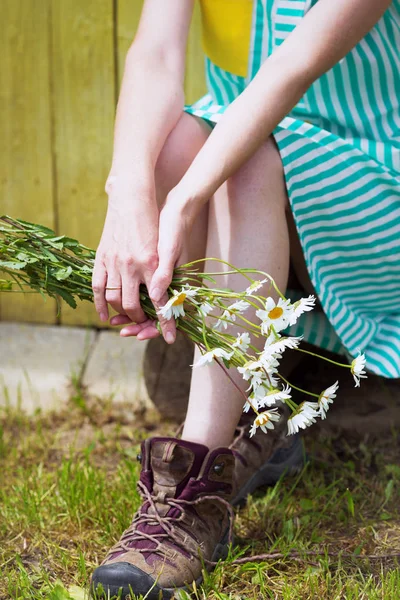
point(61, 63)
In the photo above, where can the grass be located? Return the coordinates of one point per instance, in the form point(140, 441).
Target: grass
point(67, 490)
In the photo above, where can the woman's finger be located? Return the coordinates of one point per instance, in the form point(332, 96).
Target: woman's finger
point(117, 320)
point(130, 298)
point(142, 331)
point(120, 320)
point(99, 280)
point(168, 326)
point(159, 296)
point(113, 293)
point(148, 333)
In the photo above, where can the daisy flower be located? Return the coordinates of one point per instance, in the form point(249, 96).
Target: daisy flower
point(247, 406)
point(240, 306)
point(242, 341)
point(253, 371)
point(249, 368)
point(300, 307)
point(224, 321)
point(265, 421)
point(269, 362)
point(208, 357)
point(275, 395)
point(255, 286)
point(358, 369)
point(274, 314)
point(277, 345)
point(304, 416)
point(230, 314)
point(205, 309)
point(326, 398)
point(174, 306)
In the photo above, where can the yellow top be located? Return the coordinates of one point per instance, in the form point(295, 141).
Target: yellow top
point(226, 33)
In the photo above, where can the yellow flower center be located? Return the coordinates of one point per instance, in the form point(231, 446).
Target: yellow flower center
point(179, 299)
point(261, 419)
point(275, 313)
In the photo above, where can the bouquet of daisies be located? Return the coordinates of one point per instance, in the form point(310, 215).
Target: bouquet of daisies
point(35, 259)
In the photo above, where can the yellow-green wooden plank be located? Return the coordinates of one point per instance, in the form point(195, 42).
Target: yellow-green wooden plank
point(26, 182)
point(128, 15)
point(84, 106)
point(195, 85)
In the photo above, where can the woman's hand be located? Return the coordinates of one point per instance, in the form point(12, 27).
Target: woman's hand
point(127, 256)
point(173, 228)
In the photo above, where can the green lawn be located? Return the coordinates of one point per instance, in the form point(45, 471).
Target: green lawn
point(68, 490)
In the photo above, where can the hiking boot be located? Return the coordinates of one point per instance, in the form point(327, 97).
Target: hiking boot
point(263, 459)
point(184, 522)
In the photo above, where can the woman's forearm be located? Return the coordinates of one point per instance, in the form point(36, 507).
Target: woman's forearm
point(246, 124)
point(278, 86)
point(149, 106)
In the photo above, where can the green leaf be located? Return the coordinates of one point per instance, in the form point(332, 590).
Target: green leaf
point(389, 490)
point(59, 593)
point(35, 227)
point(49, 255)
point(5, 285)
point(62, 274)
point(16, 266)
point(22, 256)
point(306, 504)
point(53, 244)
point(385, 516)
point(67, 297)
point(69, 242)
point(77, 593)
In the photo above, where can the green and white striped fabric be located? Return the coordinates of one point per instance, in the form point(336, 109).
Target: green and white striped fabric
point(340, 148)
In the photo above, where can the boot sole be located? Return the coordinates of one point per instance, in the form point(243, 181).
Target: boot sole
point(284, 461)
point(160, 593)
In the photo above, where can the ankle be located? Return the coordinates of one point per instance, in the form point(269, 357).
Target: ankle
point(210, 439)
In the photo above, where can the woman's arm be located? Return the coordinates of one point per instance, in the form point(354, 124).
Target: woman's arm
point(149, 106)
point(326, 34)
point(152, 96)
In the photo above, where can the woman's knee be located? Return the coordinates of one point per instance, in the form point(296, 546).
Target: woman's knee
point(178, 152)
point(263, 173)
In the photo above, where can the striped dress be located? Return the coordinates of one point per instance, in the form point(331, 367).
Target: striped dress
point(340, 148)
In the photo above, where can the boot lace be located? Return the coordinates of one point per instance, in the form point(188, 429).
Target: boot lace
point(168, 525)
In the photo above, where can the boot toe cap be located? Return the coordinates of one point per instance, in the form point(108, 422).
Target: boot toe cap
point(122, 578)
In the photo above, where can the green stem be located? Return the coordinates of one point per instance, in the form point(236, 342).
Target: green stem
point(294, 387)
point(333, 362)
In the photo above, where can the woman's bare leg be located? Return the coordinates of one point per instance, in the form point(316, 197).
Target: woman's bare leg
point(179, 151)
point(247, 227)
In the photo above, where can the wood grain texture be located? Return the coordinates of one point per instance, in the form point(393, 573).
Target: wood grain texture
point(84, 105)
point(195, 84)
point(128, 16)
point(61, 64)
point(26, 181)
